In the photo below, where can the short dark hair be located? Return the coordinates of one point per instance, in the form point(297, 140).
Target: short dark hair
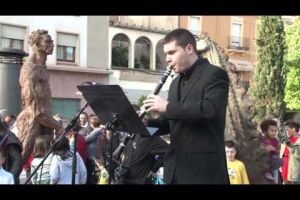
point(94, 120)
point(183, 37)
point(230, 144)
point(12, 116)
point(264, 125)
point(292, 124)
point(62, 147)
point(84, 113)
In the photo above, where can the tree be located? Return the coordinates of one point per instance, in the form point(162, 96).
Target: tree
point(120, 56)
point(145, 61)
point(270, 71)
point(292, 92)
point(140, 104)
point(142, 63)
point(141, 99)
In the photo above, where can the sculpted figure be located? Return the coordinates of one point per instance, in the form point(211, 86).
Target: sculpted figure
point(35, 118)
point(240, 111)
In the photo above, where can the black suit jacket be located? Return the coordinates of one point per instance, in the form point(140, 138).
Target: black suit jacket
point(140, 157)
point(196, 126)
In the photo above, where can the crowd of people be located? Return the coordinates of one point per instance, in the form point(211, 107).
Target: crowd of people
point(281, 142)
point(142, 157)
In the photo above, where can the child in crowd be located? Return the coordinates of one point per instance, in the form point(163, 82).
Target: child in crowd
point(5, 176)
point(290, 152)
point(61, 165)
point(236, 169)
point(272, 146)
point(41, 148)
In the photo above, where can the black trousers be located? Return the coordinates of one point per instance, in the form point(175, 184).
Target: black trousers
point(90, 169)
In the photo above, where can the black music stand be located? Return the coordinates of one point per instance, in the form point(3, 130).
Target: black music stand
point(113, 108)
point(107, 100)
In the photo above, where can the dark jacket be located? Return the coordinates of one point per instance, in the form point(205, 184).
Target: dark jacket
point(103, 151)
point(196, 123)
point(142, 155)
point(13, 153)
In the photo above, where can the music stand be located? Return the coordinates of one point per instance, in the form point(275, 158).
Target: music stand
point(106, 100)
point(113, 108)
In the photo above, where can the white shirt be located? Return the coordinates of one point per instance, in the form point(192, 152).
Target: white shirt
point(14, 129)
point(61, 170)
point(6, 177)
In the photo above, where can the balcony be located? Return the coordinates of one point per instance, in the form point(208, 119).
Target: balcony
point(238, 44)
point(133, 26)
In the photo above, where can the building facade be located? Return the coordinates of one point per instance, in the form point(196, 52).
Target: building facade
point(123, 50)
point(236, 34)
point(136, 53)
point(80, 53)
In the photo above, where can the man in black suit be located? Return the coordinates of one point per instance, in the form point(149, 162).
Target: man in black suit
point(194, 115)
point(142, 157)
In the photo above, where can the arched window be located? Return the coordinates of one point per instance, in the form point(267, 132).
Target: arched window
point(120, 46)
point(142, 53)
point(160, 57)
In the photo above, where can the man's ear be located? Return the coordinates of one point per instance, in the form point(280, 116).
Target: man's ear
point(189, 49)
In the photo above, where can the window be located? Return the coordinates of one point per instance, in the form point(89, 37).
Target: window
point(194, 25)
point(66, 47)
point(236, 34)
point(12, 36)
point(66, 107)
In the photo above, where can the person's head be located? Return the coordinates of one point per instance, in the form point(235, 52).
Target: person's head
point(62, 147)
point(291, 128)
point(9, 120)
point(59, 118)
point(2, 157)
point(269, 127)
point(180, 49)
point(83, 119)
point(94, 121)
point(42, 146)
point(41, 41)
point(230, 150)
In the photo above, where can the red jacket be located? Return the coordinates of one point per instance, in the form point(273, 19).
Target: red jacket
point(81, 146)
point(285, 158)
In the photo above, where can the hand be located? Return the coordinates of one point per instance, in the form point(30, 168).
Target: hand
point(102, 128)
point(152, 174)
point(270, 148)
point(155, 103)
point(101, 167)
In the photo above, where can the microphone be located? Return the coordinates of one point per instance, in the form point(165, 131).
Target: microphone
point(124, 139)
point(157, 89)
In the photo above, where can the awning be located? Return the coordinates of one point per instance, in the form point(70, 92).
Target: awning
point(242, 65)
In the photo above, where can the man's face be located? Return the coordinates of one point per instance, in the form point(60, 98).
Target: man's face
point(9, 121)
point(230, 153)
point(177, 57)
point(83, 119)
